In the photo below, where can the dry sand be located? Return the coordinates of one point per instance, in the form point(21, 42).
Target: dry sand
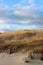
point(16, 59)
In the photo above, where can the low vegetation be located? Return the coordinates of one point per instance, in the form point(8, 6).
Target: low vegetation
point(21, 40)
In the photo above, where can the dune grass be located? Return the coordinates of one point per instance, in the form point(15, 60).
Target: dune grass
point(21, 40)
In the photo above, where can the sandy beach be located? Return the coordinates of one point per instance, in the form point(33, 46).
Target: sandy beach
point(16, 59)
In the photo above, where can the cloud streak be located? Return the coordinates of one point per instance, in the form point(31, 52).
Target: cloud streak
point(21, 15)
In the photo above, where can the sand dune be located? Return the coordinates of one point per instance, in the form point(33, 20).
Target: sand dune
point(20, 41)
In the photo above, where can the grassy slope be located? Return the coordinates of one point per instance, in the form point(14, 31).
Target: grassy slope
point(21, 40)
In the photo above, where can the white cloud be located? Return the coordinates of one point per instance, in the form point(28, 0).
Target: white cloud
point(26, 22)
point(4, 27)
point(2, 21)
point(25, 11)
point(34, 27)
point(31, 2)
point(8, 26)
point(23, 1)
point(21, 15)
point(2, 31)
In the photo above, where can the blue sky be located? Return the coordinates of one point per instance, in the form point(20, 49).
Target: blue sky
point(21, 14)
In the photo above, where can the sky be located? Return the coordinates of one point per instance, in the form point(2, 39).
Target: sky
point(21, 14)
